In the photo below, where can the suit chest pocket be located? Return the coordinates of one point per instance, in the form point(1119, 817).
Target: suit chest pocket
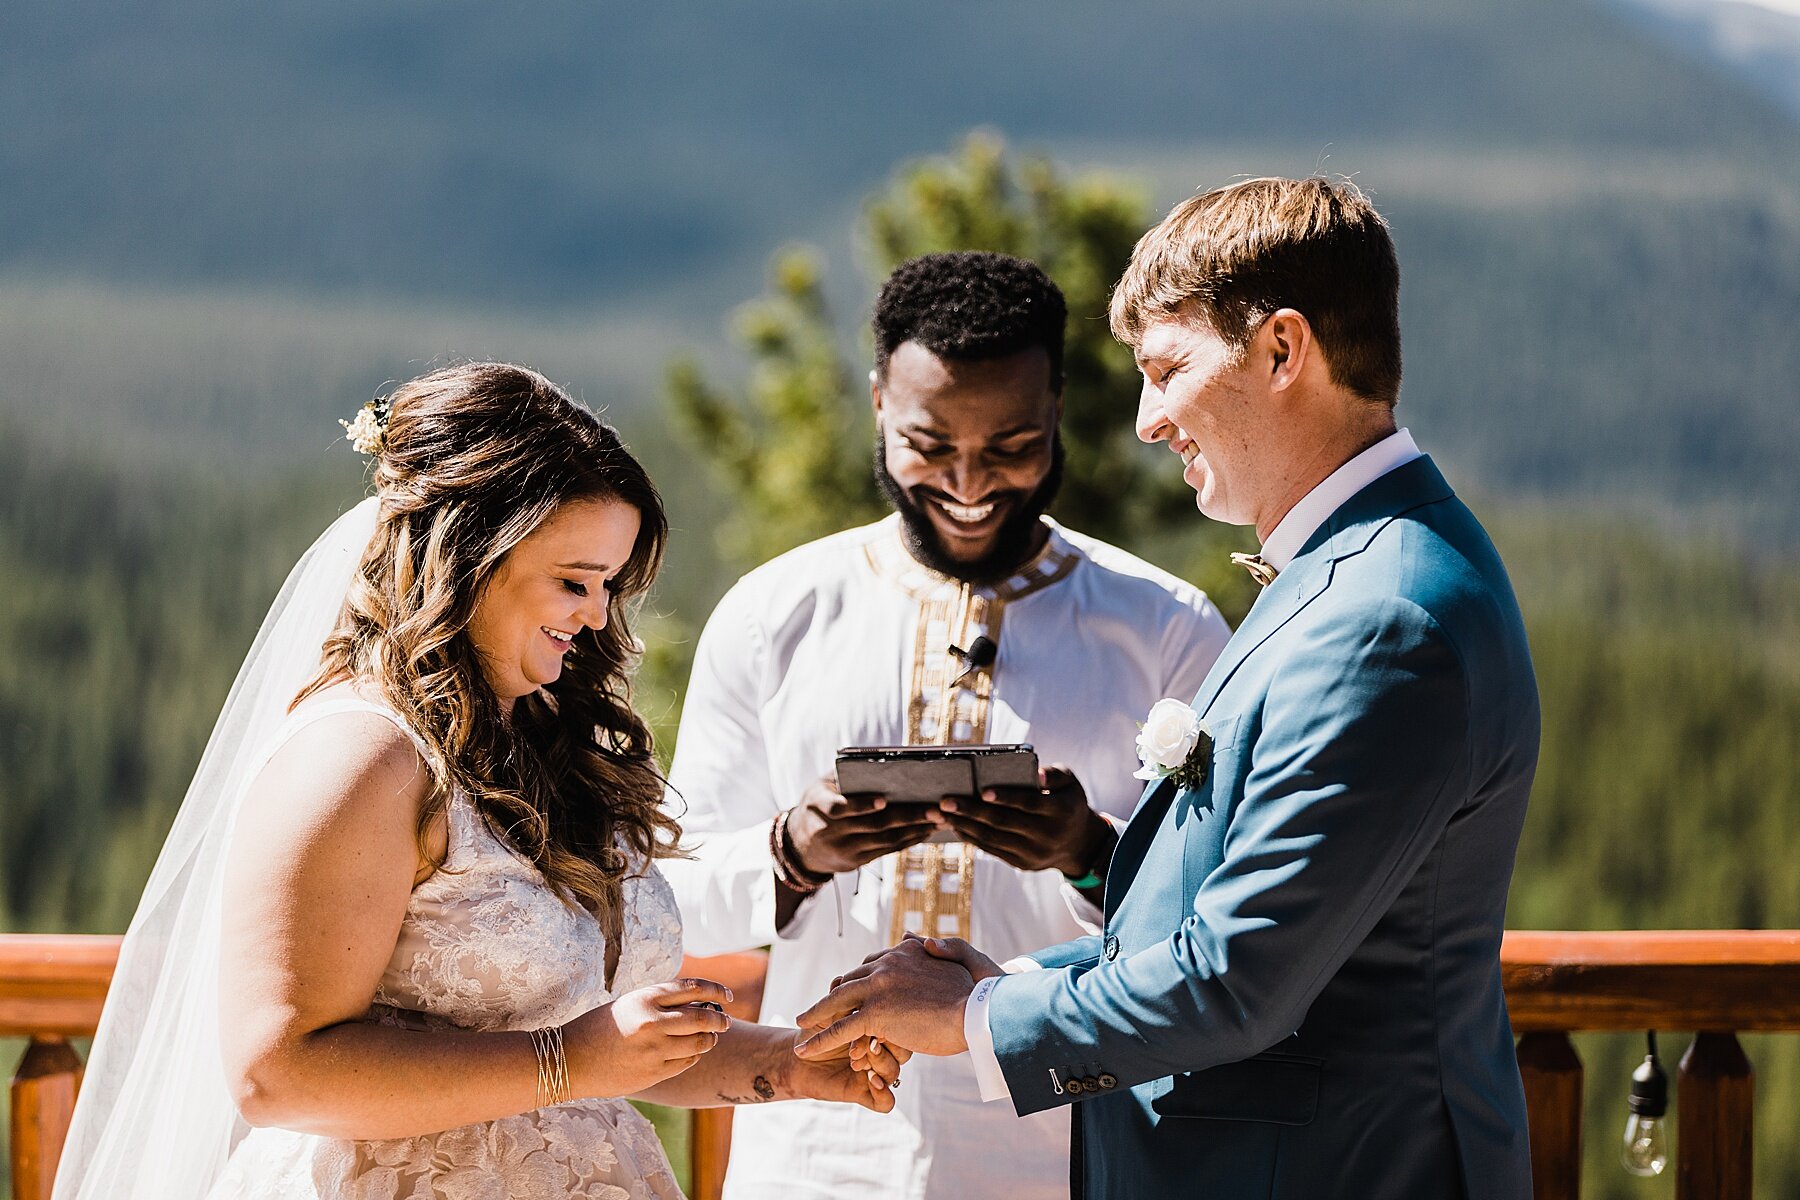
point(1203, 813)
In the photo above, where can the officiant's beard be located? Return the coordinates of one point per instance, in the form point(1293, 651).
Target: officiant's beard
point(1014, 544)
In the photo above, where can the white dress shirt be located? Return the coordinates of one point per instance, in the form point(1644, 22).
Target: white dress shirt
point(1303, 520)
point(1284, 542)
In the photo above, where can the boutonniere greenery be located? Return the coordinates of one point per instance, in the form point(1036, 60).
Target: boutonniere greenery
point(1174, 743)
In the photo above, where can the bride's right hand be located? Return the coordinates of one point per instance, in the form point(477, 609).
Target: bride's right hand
point(644, 1037)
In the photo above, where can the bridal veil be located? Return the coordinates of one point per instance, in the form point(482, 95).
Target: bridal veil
point(155, 1117)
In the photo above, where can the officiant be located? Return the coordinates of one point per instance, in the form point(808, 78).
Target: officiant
point(967, 616)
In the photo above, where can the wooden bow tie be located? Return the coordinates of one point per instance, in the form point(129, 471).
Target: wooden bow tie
point(1259, 567)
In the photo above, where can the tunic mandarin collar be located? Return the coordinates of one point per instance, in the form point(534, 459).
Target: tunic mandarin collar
point(890, 559)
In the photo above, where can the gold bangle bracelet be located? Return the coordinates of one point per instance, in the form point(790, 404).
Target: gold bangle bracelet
point(553, 1067)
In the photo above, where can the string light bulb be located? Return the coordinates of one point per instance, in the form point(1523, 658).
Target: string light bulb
point(1646, 1150)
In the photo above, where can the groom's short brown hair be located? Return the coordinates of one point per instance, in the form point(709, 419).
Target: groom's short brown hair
point(1232, 256)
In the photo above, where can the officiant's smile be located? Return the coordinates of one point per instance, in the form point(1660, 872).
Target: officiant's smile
point(968, 455)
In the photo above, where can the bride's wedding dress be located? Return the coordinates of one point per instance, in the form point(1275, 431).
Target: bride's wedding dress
point(486, 945)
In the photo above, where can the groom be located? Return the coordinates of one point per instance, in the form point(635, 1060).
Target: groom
point(1297, 993)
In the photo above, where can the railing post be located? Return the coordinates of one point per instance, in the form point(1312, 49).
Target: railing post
point(1553, 1077)
point(709, 1146)
point(1715, 1107)
point(43, 1102)
point(709, 1151)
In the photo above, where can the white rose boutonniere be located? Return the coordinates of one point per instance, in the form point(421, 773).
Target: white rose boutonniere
point(1174, 743)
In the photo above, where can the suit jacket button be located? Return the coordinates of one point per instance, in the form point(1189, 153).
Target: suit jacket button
point(1074, 1087)
point(1108, 1081)
point(1089, 1083)
point(1111, 947)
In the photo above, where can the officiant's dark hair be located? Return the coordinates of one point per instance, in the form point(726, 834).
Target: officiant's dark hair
point(1232, 256)
point(970, 305)
point(472, 460)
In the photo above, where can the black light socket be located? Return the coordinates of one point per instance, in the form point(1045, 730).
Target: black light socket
point(1649, 1086)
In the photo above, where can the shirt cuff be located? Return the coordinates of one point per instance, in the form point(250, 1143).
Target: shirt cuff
point(726, 890)
point(1086, 914)
point(989, 1078)
point(1087, 911)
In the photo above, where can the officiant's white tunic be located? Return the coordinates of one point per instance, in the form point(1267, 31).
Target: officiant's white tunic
point(846, 641)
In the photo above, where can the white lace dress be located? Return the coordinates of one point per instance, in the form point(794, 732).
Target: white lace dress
point(486, 945)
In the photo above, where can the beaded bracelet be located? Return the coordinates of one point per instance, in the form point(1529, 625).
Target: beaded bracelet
point(791, 874)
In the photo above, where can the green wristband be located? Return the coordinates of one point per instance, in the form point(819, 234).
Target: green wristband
point(1086, 881)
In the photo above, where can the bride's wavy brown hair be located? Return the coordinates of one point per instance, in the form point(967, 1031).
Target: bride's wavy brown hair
point(474, 458)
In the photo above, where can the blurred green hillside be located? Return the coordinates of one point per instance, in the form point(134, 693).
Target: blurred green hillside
point(574, 153)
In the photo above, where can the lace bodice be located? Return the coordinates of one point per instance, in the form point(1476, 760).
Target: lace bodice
point(487, 945)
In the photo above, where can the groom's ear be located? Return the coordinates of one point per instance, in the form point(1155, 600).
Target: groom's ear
point(1284, 343)
point(875, 394)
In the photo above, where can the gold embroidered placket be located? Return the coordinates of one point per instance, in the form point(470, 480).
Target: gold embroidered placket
point(947, 704)
point(931, 887)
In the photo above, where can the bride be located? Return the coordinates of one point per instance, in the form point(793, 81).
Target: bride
point(407, 937)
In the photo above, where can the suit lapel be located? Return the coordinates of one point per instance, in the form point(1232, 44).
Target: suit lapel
point(1348, 531)
point(1295, 588)
point(1292, 591)
point(1128, 855)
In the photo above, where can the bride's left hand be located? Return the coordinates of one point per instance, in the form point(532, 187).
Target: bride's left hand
point(865, 1072)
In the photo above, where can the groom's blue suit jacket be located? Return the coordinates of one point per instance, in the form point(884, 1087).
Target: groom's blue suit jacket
point(1297, 994)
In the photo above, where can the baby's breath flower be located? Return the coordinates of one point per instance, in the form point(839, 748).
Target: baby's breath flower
point(365, 429)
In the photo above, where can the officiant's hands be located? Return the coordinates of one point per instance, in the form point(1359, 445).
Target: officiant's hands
point(832, 833)
point(1049, 827)
point(907, 995)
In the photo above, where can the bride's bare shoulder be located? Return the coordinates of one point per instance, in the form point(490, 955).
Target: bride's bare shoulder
point(353, 758)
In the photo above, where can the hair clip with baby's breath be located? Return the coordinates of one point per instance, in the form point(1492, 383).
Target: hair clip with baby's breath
point(368, 429)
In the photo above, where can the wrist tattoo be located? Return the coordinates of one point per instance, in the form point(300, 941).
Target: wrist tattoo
point(761, 1088)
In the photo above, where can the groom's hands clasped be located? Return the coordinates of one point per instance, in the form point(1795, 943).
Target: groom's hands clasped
point(910, 995)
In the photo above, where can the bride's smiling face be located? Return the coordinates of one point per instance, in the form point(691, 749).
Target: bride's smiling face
point(551, 586)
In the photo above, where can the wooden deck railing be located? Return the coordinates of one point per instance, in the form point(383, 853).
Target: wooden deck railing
point(52, 988)
point(1716, 982)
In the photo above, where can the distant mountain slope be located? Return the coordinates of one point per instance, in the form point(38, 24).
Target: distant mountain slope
point(572, 151)
point(1759, 40)
point(225, 223)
